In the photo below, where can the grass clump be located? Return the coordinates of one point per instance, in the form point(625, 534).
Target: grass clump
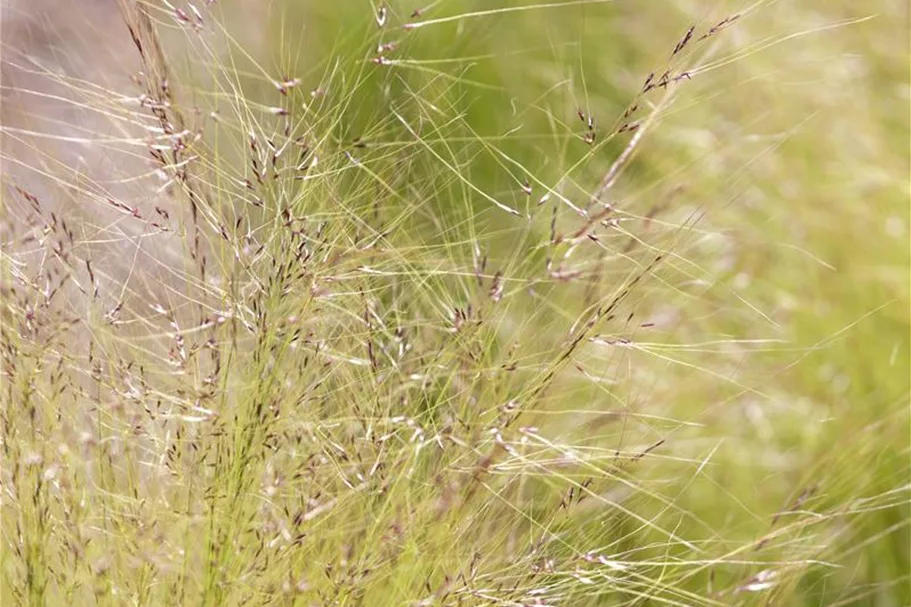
point(511, 304)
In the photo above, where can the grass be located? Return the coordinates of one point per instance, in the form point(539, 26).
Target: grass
point(494, 304)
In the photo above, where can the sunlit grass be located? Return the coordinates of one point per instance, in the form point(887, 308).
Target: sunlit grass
point(580, 303)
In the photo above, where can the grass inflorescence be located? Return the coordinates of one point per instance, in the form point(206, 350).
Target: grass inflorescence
point(468, 304)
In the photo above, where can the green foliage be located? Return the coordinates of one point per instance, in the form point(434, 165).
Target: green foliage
point(495, 304)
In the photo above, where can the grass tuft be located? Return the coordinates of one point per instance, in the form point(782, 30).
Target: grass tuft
point(545, 303)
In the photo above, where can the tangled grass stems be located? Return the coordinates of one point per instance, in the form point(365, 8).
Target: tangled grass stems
point(386, 328)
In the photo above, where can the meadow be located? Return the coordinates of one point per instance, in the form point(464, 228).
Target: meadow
point(569, 303)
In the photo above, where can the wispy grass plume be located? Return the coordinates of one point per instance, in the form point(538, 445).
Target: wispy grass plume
point(461, 304)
